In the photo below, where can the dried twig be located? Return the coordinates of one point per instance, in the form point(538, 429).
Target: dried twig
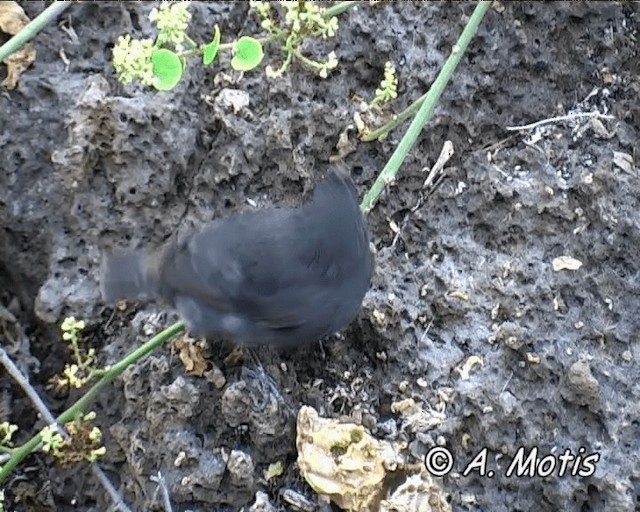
point(445, 154)
point(162, 485)
point(558, 119)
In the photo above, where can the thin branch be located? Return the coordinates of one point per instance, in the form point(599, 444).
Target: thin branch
point(31, 393)
point(558, 119)
point(162, 486)
point(45, 413)
point(32, 28)
point(338, 8)
point(118, 501)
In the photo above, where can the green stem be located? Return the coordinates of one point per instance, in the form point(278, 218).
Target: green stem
point(223, 46)
point(311, 63)
point(285, 63)
point(426, 109)
point(21, 452)
point(32, 28)
point(193, 44)
point(97, 373)
point(395, 121)
point(189, 53)
point(76, 350)
point(336, 9)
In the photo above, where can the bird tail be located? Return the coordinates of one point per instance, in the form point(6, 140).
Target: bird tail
point(124, 276)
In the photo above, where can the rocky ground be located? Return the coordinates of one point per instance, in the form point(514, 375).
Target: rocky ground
point(470, 337)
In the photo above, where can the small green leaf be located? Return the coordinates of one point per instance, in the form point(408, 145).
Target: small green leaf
point(247, 54)
point(211, 50)
point(167, 69)
point(275, 469)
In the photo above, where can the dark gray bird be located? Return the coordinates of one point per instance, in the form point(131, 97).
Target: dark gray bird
point(280, 275)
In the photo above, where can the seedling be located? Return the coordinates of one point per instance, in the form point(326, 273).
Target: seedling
point(388, 89)
point(52, 441)
point(83, 442)
point(373, 113)
point(301, 21)
point(160, 63)
point(6, 433)
point(83, 368)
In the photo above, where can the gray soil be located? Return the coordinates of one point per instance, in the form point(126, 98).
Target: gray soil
point(89, 165)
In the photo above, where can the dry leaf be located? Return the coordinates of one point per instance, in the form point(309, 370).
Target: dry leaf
point(274, 470)
point(13, 20)
point(600, 130)
point(234, 357)
point(565, 263)
point(417, 417)
point(468, 366)
point(192, 356)
point(624, 161)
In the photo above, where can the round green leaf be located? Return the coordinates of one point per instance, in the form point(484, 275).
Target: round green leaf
point(167, 69)
point(211, 50)
point(247, 54)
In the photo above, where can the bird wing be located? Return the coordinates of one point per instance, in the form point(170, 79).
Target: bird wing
point(253, 275)
point(286, 261)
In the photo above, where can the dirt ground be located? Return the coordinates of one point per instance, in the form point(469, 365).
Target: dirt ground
point(466, 316)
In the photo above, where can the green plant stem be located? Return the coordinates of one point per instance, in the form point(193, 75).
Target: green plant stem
point(426, 109)
point(396, 120)
point(189, 53)
point(193, 44)
point(311, 63)
point(32, 28)
point(447, 71)
point(21, 452)
point(97, 373)
point(76, 351)
point(261, 40)
point(223, 46)
point(336, 9)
